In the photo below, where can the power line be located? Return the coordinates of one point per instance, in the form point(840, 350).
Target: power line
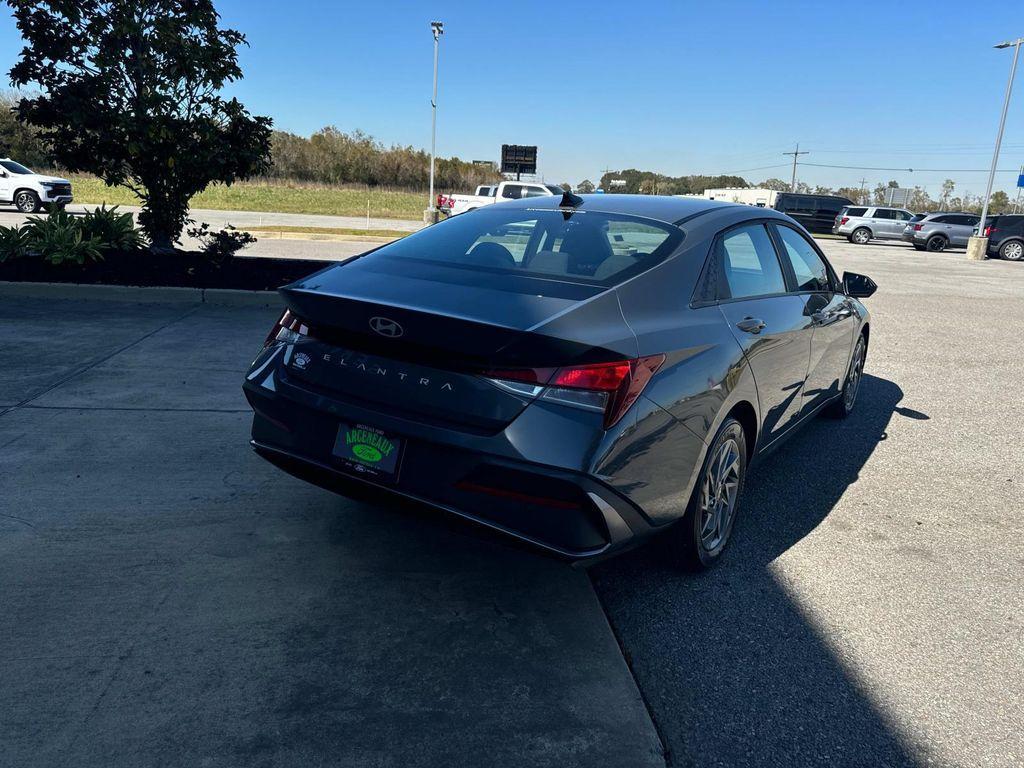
point(907, 170)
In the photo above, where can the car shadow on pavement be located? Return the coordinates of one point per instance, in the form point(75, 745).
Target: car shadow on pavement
point(733, 670)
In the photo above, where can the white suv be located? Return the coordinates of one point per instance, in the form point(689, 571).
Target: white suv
point(863, 223)
point(29, 191)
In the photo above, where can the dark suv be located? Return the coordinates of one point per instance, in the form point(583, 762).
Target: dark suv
point(815, 212)
point(1005, 236)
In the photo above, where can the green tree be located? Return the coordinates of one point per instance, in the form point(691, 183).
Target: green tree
point(776, 184)
point(947, 191)
point(585, 187)
point(19, 141)
point(131, 93)
point(999, 202)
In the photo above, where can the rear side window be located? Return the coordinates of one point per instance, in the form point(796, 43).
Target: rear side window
point(748, 263)
point(854, 211)
point(943, 219)
point(884, 213)
point(535, 192)
point(965, 221)
point(808, 267)
point(512, 191)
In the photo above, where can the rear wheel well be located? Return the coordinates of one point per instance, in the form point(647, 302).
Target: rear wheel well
point(745, 414)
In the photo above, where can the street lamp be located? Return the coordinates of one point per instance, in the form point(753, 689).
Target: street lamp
point(430, 216)
point(979, 246)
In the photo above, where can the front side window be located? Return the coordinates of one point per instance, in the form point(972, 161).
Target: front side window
point(904, 215)
point(808, 267)
point(592, 248)
point(14, 167)
point(749, 264)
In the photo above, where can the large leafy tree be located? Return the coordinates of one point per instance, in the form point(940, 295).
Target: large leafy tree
point(131, 91)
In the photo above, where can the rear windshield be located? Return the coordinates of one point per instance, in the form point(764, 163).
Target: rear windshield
point(581, 247)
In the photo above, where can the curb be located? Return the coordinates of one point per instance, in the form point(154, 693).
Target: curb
point(326, 237)
point(140, 295)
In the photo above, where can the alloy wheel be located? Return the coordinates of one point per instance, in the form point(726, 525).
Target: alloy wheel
point(854, 376)
point(1013, 251)
point(719, 492)
point(25, 202)
point(937, 243)
point(861, 237)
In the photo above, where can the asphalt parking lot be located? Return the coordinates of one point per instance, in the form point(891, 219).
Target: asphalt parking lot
point(169, 599)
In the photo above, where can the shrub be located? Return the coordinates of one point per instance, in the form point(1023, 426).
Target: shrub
point(13, 243)
point(59, 238)
point(221, 245)
point(114, 230)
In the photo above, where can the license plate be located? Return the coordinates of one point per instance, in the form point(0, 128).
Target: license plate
point(368, 452)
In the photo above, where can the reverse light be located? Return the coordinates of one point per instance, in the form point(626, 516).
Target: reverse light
point(288, 329)
point(610, 388)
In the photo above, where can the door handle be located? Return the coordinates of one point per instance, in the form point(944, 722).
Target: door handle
point(821, 318)
point(751, 325)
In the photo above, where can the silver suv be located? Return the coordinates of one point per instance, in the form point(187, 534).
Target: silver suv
point(937, 231)
point(862, 223)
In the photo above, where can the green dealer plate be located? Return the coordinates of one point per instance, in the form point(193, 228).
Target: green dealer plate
point(367, 451)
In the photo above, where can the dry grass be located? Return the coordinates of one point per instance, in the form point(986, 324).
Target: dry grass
point(276, 197)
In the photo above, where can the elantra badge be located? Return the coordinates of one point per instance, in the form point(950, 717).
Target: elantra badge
point(386, 327)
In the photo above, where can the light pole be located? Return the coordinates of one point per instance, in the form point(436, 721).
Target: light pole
point(978, 247)
point(430, 216)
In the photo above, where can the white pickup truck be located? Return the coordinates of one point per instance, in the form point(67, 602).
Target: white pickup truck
point(452, 205)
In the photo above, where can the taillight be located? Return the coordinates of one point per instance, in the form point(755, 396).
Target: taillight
point(607, 387)
point(990, 230)
point(844, 220)
point(289, 328)
point(918, 227)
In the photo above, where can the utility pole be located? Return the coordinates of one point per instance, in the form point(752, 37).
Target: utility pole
point(430, 216)
point(796, 153)
point(863, 181)
point(980, 250)
point(1016, 203)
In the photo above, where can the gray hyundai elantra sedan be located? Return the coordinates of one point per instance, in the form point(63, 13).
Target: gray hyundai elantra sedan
point(578, 372)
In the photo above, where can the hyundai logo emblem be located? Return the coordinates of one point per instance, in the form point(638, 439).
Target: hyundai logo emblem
point(386, 327)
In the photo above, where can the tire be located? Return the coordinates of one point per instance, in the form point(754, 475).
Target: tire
point(860, 236)
point(936, 243)
point(918, 247)
point(697, 541)
point(844, 404)
point(27, 201)
point(1012, 250)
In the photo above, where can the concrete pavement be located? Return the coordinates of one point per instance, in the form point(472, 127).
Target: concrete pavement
point(167, 598)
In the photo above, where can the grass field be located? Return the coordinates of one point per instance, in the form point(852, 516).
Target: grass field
point(276, 197)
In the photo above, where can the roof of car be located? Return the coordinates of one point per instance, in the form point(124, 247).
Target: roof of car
point(661, 207)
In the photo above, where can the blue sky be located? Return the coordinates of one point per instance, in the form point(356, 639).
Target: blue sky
point(678, 87)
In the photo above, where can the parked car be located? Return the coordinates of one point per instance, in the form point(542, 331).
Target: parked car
point(1005, 235)
point(29, 191)
point(610, 374)
point(815, 212)
point(863, 223)
point(938, 231)
point(487, 195)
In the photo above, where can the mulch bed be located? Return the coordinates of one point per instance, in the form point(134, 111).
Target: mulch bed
point(186, 269)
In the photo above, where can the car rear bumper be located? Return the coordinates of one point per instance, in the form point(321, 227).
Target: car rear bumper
point(571, 513)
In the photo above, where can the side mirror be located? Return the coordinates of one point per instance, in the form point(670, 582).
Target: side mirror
point(858, 286)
